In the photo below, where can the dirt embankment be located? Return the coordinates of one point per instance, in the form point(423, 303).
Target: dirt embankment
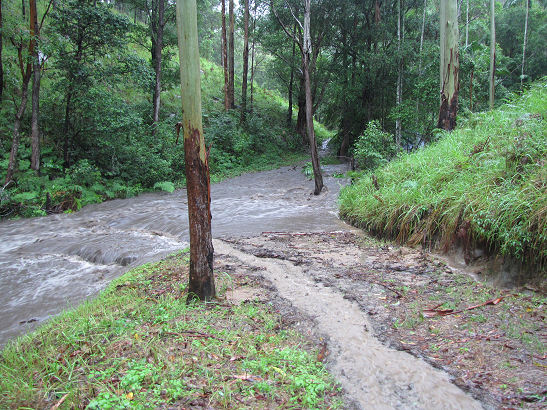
point(375, 303)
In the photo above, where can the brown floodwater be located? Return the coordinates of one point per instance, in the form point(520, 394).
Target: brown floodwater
point(50, 263)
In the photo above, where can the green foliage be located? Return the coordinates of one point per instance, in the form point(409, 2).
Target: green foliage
point(374, 147)
point(166, 186)
point(483, 183)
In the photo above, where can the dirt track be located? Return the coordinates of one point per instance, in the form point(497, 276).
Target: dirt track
point(366, 300)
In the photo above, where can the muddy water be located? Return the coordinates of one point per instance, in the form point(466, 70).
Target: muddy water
point(49, 263)
point(375, 376)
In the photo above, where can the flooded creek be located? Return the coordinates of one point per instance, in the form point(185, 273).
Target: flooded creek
point(53, 262)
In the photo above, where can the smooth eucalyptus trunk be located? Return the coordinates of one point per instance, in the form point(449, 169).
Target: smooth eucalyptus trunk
point(35, 119)
point(157, 46)
point(245, 62)
point(524, 43)
point(201, 280)
point(231, 84)
point(306, 52)
point(449, 64)
point(492, 77)
point(225, 58)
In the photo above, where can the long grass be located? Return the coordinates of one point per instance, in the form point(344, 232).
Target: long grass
point(484, 183)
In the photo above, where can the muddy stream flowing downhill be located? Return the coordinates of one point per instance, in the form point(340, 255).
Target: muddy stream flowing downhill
point(57, 261)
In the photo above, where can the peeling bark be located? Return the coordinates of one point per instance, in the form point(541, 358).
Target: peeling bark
point(201, 280)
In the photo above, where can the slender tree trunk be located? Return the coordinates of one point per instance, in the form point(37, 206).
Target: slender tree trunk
point(201, 280)
point(225, 58)
point(291, 81)
point(1, 58)
point(471, 89)
point(449, 64)
point(12, 165)
point(306, 52)
point(492, 53)
point(231, 85)
point(245, 62)
point(344, 145)
point(418, 100)
point(157, 47)
point(467, 24)
point(35, 120)
point(399, 96)
point(301, 117)
point(422, 39)
point(524, 43)
point(66, 125)
point(253, 56)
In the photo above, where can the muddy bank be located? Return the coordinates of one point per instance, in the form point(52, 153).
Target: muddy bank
point(370, 302)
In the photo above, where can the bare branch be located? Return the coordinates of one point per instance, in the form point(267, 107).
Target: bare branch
point(295, 18)
point(287, 32)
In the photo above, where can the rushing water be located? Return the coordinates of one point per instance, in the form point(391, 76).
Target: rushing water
point(52, 262)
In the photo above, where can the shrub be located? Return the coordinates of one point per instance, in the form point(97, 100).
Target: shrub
point(374, 148)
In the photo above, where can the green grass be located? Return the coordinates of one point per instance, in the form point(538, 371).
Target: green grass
point(485, 183)
point(139, 345)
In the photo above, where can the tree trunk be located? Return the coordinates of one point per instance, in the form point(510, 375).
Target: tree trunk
point(420, 57)
point(291, 81)
point(12, 165)
point(449, 64)
point(231, 85)
point(253, 55)
point(1, 58)
point(301, 117)
point(66, 126)
point(306, 52)
point(201, 280)
point(344, 146)
point(492, 54)
point(35, 121)
point(524, 43)
point(399, 97)
point(467, 24)
point(471, 89)
point(157, 47)
point(245, 62)
point(225, 58)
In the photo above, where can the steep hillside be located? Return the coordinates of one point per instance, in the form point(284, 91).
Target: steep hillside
point(484, 184)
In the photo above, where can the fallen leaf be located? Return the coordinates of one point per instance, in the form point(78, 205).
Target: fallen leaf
point(246, 377)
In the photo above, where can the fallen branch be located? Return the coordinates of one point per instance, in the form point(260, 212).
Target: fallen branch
point(59, 402)
point(399, 294)
point(192, 333)
point(445, 312)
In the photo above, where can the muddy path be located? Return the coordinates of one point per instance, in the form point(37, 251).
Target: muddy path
point(366, 299)
point(374, 375)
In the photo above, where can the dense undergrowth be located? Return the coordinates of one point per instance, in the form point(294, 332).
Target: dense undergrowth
point(483, 184)
point(139, 345)
point(121, 159)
